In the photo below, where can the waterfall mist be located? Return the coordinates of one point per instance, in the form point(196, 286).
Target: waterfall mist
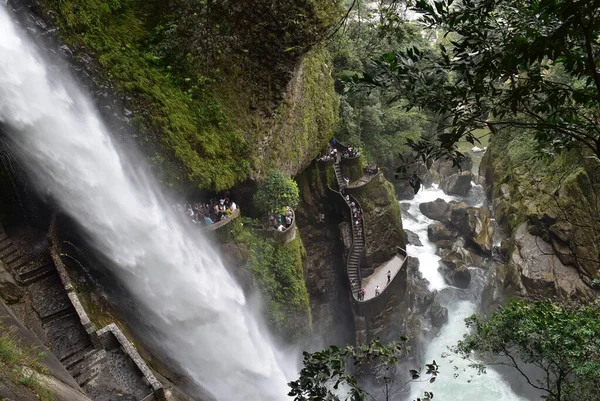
point(199, 312)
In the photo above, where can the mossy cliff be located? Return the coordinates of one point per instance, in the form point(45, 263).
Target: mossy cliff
point(203, 83)
point(550, 209)
point(273, 268)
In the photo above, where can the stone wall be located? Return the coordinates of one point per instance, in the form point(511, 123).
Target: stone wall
point(549, 210)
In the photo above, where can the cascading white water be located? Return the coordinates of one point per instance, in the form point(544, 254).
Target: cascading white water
point(467, 386)
point(200, 313)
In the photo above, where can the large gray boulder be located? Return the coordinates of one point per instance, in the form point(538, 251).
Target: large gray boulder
point(475, 224)
point(457, 184)
point(10, 291)
point(412, 238)
point(439, 231)
point(438, 210)
point(456, 276)
point(445, 167)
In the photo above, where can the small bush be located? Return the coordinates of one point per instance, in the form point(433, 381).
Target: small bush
point(276, 193)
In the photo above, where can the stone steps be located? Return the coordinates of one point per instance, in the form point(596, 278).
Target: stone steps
point(70, 361)
point(8, 253)
point(89, 364)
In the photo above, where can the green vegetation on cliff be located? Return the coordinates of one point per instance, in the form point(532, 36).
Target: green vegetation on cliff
point(204, 81)
point(278, 272)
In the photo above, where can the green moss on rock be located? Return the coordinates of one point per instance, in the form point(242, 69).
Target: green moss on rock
point(278, 272)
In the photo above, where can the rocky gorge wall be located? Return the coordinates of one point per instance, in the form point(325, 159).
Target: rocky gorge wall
point(549, 209)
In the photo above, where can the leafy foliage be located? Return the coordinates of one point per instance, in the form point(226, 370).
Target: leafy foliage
point(368, 120)
point(511, 63)
point(328, 374)
point(561, 341)
point(277, 192)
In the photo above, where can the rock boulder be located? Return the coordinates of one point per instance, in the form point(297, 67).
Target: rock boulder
point(456, 276)
point(412, 238)
point(438, 210)
point(457, 184)
point(475, 224)
point(439, 231)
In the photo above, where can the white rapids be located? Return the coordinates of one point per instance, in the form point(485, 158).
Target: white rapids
point(468, 385)
point(200, 312)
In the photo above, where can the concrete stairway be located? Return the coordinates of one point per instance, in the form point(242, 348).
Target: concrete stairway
point(358, 235)
point(338, 175)
point(65, 335)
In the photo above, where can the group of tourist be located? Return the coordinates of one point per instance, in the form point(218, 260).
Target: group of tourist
point(281, 222)
point(356, 215)
point(371, 169)
point(207, 213)
point(350, 153)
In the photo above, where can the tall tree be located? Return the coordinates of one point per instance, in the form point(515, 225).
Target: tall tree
point(503, 63)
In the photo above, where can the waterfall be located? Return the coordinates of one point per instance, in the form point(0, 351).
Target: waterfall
point(197, 309)
point(461, 303)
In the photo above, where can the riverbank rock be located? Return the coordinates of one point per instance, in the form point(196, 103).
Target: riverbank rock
point(404, 191)
point(438, 210)
point(412, 238)
point(439, 231)
point(422, 301)
point(541, 272)
point(10, 291)
point(475, 224)
point(456, 276)
point(457, 184)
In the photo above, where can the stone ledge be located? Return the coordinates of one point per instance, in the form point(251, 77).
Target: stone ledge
point(132, 353)
point(99, 338)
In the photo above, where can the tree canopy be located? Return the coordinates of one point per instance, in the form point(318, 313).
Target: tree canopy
point(502, 63)
point(277, 192)
point(561, 341)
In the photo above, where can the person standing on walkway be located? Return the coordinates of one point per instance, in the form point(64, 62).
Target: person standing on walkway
point(389, 276)
point(362, 294)
point(377, 291)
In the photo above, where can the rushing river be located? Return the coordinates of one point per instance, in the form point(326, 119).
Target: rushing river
point(461, 303)
point(199, 312)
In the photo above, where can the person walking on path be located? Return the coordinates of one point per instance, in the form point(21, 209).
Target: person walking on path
point(377, 291)
point(389, 276)
point(362, 294)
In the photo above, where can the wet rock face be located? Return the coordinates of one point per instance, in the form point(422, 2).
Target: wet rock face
point(10, 291)
point(457, 184)
point(438, 210)
point(439, 231)
point(456, 276)
point(413, 238)
point(475, 224)
point(445, 167)
point(471, 222)
point(422, 301)
point(541, 272)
